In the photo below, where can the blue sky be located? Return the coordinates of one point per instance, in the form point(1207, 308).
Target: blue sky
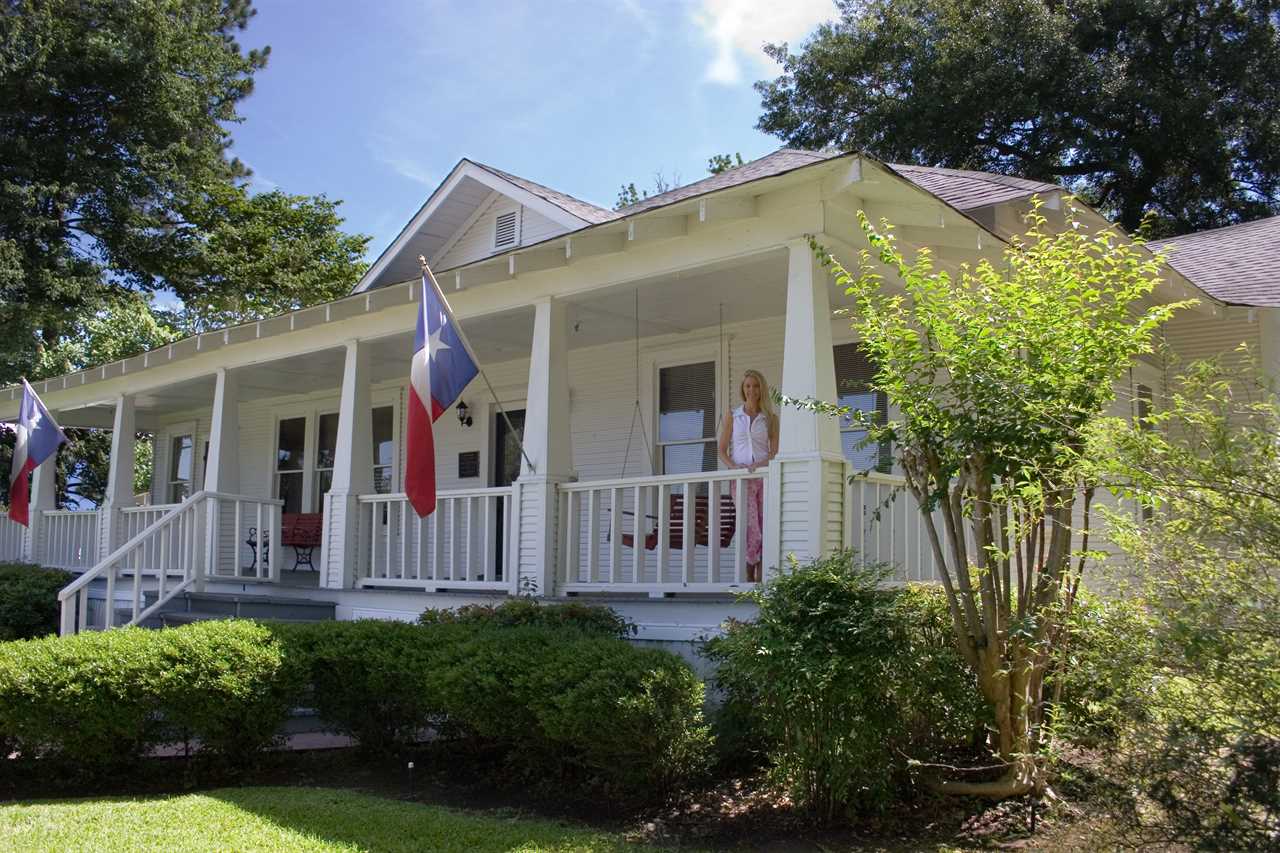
point(374, 103)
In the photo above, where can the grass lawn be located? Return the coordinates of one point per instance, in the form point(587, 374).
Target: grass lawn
point(278, 819)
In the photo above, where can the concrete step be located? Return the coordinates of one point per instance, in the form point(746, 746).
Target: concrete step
point(231, 605)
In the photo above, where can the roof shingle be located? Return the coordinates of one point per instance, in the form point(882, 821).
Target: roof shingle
point(584, 210)
point(967, 190)
point(1238, 264)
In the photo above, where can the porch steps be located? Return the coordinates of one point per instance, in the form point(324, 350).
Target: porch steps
point(200, 606)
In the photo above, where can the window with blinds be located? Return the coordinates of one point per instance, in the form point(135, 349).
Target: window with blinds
point(504, 230)
point(687, 418)
point(854, 373)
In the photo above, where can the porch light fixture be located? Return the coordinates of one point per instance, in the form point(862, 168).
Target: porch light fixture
point(464, 416)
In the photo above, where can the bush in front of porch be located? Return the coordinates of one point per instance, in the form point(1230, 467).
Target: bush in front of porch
point(842, 682)
point(88, 706)
point(29, 600)
point(589, 618)
point(565, 704)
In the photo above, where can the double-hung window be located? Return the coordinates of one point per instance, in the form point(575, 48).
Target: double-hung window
point(326, 451)
point(307, 448)
point(182, 450)
point(687, 418)
point(854, 374)
point(291, 441)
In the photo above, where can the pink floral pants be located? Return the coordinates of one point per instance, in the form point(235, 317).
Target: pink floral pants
point(755, 517)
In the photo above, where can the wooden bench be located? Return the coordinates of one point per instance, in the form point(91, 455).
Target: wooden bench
point(302, 532)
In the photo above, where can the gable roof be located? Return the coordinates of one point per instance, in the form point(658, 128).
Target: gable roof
point(1238, 264)
point(584, 210)
point(961, 189)
point(965, 190)
point(781, 161)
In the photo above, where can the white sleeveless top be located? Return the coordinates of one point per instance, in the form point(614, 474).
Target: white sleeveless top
point(750, 441)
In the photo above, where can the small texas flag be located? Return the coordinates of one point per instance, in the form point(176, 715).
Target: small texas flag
point(38, 438)
point(442, 366)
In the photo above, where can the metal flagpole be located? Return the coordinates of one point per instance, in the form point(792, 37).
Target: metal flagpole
point(427, 275)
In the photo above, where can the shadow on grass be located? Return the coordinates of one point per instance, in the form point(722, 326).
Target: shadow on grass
point(308, 820)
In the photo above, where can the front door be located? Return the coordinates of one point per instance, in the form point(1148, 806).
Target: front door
point(506, 465)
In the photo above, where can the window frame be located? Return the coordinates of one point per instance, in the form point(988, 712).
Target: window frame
point(311, 412)
point(884, 455)
point(691, 356)
point(176, 432)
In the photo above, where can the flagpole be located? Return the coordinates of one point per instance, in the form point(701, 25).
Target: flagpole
point(427, 274)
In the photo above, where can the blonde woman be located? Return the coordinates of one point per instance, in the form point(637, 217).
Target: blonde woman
point(749, 439)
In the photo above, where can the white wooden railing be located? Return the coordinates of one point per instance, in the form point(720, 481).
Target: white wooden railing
point(883, 524)
point(196, 539)
point(464, 544)
point(12, 535)
point(70, 539)
point(671, 533)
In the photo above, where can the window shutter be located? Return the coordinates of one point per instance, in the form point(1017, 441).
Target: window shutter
point(504, 230)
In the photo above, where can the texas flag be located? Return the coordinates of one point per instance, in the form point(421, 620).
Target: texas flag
point(442, 366)
point(38, 438)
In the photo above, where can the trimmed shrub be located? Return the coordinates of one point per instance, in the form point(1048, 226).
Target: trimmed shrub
point(589, 618)
point(368, 678)
point(577, 706)
point(86, 706)
point(29, 600)
point(93, 704)
point(843, 681)
point(226, 685)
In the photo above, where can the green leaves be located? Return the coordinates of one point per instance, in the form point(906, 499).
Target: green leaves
point(1167, 108)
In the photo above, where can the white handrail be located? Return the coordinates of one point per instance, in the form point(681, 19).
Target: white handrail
point(184, 535)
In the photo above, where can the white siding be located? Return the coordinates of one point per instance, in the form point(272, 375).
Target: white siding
point(476, 241)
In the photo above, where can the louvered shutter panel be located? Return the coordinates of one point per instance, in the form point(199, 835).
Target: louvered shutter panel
point(504, 230)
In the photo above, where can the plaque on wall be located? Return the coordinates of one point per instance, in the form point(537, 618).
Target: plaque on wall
point(469, 464)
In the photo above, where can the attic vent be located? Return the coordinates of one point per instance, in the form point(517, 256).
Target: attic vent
point(504, 230)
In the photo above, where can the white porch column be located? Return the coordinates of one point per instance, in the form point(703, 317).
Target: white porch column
point(805, 482)
point(44, 494)
point(549, 447)
point(222, 470)
point(119, 492)
point(352, 471)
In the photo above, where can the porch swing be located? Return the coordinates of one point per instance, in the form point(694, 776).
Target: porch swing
point(676, 502)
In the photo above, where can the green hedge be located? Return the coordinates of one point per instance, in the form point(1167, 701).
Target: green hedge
point(841, 681)
point(589, 618)
point(576, 705)
point(367, 678)
point(564, 704)
point(95, 703)
point(29, 600)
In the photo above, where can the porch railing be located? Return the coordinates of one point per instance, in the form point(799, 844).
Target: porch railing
point(464, 544)
point(12, 535)
point(884, 525)
point(671, 533)
point(70, 539)
point(198, 538)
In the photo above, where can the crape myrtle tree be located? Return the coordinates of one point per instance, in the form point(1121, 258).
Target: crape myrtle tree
point(999, 373)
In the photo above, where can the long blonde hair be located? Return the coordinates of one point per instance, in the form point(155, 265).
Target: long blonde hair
point(766, 398)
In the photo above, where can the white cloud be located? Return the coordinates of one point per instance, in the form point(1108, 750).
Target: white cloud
point(738, 28)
